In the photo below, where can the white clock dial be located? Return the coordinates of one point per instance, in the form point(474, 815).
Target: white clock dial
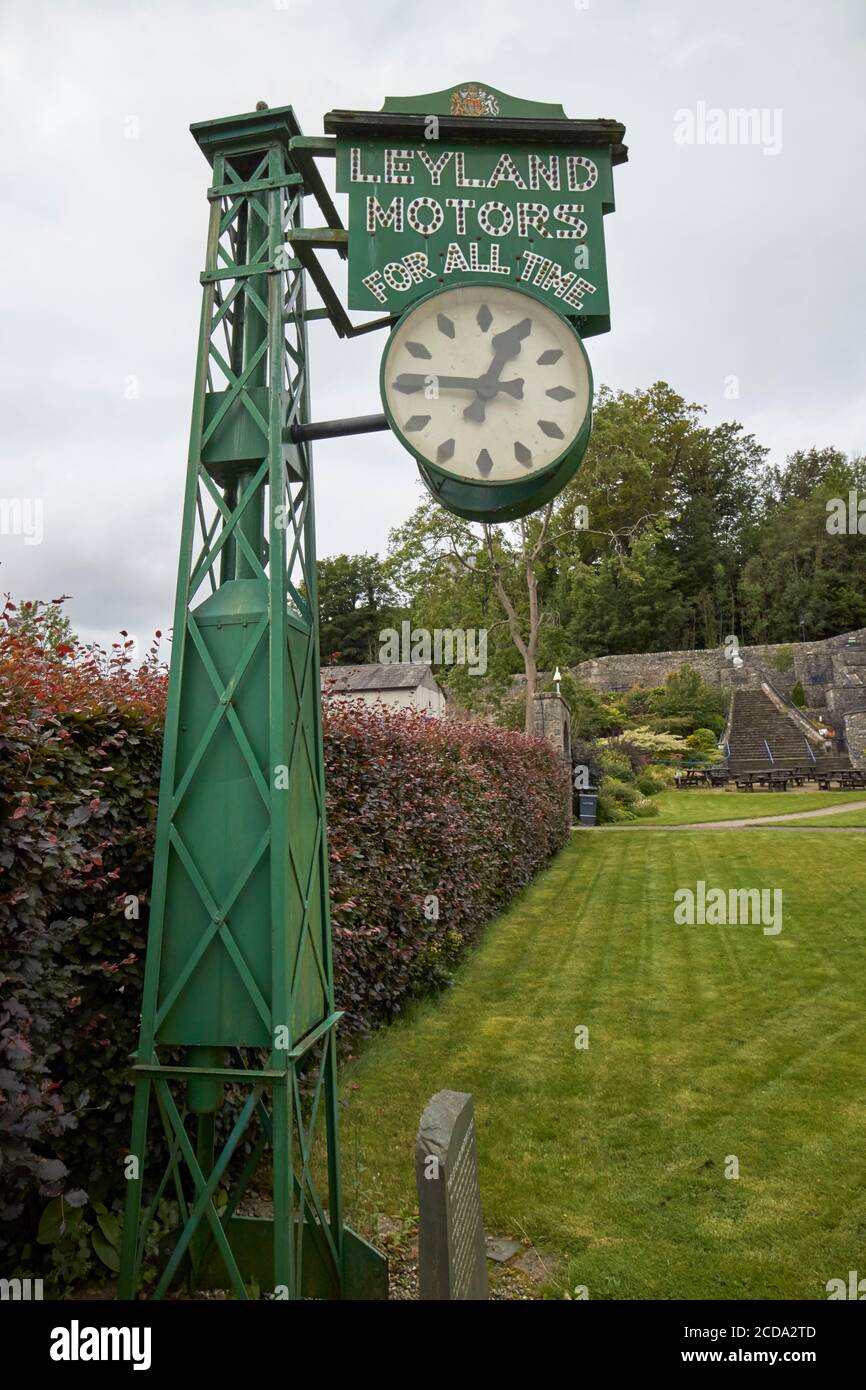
point(486, 383)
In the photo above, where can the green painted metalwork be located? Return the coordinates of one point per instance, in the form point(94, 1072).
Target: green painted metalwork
point(239, 982)
point(468, 182)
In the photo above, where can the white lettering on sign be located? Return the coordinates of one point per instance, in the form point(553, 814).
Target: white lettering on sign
point(566, 286)
point(434, 216)
point(506, 171)
point(454, 259)
point(567, 212)
point(548, 171)
point(476, 225)
point(581, 173)
point(397, 166)
point(461, 204)
point(460, 173)
point(384, 217)
point(486, 212)
point(435, 167)
point(532, 217)
point(426, 215)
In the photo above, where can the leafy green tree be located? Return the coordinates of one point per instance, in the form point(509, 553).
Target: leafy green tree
point(355, 604)
point(444, 566)
point(627, 601)
point(801, 581)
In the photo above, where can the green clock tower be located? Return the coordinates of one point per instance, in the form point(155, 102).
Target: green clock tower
point(475, 232)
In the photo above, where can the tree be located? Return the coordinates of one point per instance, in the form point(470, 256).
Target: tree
point(801, 581)
point(441, 562)
point(355, 604)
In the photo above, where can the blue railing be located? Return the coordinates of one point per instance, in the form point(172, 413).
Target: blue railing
point(811, 750)
point(769, 754)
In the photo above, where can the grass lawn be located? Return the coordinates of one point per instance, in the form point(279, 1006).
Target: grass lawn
point(704, 1042)
point(688, 807)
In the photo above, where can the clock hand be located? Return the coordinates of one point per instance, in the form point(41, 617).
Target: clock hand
point(505, 346)
point(409, 382)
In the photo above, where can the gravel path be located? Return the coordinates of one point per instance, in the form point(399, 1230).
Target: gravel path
point(770, 822)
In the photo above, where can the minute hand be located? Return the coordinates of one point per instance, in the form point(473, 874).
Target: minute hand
point(505, 346)
point(409, 382)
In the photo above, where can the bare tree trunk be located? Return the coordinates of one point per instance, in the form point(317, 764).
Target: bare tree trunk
point(527, 646)
point(531, 683)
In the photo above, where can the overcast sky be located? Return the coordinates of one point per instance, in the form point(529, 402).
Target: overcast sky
point(737, 261)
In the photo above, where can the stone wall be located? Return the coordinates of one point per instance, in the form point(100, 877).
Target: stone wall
point(552, 721)
point(813, 665)
point(846, 699)
point(855, 738)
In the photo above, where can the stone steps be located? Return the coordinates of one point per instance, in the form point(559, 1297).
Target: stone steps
point(756, 724)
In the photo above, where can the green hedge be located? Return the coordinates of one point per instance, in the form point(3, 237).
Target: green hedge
point(433, 826)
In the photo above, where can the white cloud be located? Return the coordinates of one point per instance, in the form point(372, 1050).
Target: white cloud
point(720, 260)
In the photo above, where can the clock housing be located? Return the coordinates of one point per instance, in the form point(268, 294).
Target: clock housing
point(491, 391)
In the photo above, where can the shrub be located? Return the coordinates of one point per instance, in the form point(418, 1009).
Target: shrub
point(418, 807)
point(80, 736)
point(652, 745)
point(798, 695)
point(703, 744)
point(665, 773)
point(591, 713)
point(667, 723)
point(651, 782)
point(427, 813)
point(616, 765)
point(587, 754)
point(626, 793)
point(686, 694)
point(783, 658)
point(609, 809)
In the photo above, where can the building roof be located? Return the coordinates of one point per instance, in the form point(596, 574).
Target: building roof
point(392, 675)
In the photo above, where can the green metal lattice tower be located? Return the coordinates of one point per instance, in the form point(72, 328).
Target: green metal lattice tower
point(238, 983)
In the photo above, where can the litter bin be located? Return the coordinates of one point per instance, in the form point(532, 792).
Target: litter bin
point(587, 805)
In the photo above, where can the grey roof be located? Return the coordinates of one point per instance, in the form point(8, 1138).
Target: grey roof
point(392, 675)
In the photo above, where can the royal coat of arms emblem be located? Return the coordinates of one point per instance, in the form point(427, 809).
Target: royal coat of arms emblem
point(473, 101)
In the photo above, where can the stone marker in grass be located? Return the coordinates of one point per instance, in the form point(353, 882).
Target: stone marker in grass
point(451, 1255)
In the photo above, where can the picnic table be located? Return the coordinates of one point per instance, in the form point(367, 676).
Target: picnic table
point(691, 777)
point(845, 778)
point(801, 775)
point(718, 776)
point(774, 779)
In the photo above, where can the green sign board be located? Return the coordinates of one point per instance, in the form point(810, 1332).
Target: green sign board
point(470, 184)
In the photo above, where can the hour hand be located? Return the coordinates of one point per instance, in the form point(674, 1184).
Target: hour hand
point(505, 346)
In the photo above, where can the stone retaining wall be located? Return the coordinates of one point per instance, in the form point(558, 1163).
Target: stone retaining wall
point(813, 665)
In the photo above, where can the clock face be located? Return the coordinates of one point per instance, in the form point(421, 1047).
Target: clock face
point(486, 384)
